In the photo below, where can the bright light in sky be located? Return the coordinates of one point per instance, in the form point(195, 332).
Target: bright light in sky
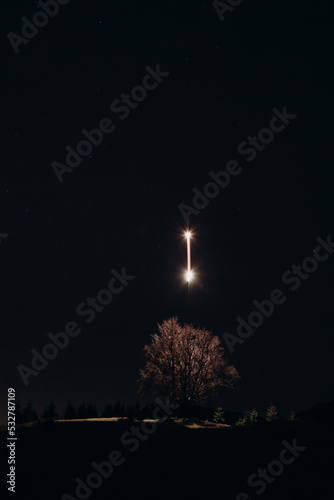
point(189, 275)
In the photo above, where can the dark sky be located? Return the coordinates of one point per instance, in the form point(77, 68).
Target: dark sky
point(120, 206)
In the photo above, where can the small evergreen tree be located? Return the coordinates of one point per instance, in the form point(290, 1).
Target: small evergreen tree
point(122, 410)
point(29, 414)
point(293, 416)
point(272, 414)
point(18, 413)
point(70, 412)
point(143, 411)
point(82, 410)
point(253, 416)
point(117, 409)
point(91, 411)
point(136, 410)
point(242, 421)
point(108, 411)
point(130, 412)
point(218, 416)
point(50, 411)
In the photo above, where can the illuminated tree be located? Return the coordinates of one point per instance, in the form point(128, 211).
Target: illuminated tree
point(185, 363)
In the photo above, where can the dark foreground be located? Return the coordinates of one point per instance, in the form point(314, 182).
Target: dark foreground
point(173, 462)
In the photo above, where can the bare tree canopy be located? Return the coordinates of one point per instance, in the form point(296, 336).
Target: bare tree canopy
point(185, 363)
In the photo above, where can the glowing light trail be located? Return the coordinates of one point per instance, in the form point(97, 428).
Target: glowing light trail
point(189, 273)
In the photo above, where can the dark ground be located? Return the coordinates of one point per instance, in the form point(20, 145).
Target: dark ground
point(174, 462)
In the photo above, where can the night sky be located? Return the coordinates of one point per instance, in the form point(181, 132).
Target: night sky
point(120, 207)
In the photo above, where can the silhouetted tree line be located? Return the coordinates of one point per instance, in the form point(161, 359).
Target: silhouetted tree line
point(129, 411)
point(111, 410)
point(83, 410)
point(25, 414)
point(29, 414)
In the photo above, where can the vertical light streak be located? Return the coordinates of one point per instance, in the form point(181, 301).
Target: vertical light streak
point(188, 254)
point(189, 273)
